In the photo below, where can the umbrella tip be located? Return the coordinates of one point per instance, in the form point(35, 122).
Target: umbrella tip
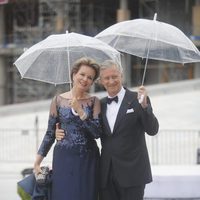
point(155, 17)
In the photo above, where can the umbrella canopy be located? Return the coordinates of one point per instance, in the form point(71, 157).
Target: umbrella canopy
point(50, 60)
point(151, 39)
point(163, 41)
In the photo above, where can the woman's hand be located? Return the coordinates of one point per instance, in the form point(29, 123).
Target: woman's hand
point(37, 169)
point(76, 106)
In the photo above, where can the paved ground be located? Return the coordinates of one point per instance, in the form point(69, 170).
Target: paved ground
point(176, 105)
point(169, 181)
point(8, 189)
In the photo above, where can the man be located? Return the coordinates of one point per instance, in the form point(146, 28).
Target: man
point(125, 167)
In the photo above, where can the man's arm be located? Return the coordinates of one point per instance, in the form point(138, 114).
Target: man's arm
point(149, 121)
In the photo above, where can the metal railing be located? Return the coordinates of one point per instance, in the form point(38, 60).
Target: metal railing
point(174, 147)
point(168, 147)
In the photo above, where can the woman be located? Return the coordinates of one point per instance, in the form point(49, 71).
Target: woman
point(76, 156)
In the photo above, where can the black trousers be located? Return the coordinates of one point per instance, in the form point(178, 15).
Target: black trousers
point(114, 191)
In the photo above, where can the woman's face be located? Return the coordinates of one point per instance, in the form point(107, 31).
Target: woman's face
point(84, 78)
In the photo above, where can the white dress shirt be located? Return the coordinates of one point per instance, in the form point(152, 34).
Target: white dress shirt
point(113, 108)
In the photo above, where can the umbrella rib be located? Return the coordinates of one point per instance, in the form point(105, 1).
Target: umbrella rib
point(45, 81)
point(46, 63)
point(25, 71)
point(69, 67)
point(33, 62)
point(142, 36)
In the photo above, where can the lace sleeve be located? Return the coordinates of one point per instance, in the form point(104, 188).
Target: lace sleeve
point(49, 137)
point(92, 123)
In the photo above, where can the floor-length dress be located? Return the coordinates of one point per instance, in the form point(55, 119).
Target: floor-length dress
point(76, 157)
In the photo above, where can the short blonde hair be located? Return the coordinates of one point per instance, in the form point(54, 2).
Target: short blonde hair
point(85, 61)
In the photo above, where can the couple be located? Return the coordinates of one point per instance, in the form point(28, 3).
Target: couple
point(119, 120)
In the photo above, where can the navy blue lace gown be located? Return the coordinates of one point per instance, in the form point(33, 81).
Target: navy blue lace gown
point(76, 157)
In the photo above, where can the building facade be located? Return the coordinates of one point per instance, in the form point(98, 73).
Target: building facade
point(26, 22)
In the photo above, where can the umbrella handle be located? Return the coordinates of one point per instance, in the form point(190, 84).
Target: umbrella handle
point(145, 69)
point(140, 100)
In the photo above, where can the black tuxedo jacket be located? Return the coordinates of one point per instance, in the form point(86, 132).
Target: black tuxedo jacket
point(126, 147)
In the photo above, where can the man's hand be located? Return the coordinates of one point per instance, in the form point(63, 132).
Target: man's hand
point(59, 133)
point(142, 96)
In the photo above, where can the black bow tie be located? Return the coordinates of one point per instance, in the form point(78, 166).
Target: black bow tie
point(109, 100)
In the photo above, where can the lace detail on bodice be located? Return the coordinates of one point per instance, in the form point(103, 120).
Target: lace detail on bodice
point(78, 134)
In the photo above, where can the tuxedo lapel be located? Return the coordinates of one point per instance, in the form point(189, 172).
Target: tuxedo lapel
point(104, 118)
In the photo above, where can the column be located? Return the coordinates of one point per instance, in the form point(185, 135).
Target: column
point(196, 34)
point(2, 59)
point(123, 14)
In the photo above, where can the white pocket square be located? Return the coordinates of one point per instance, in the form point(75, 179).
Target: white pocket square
point(130, 110)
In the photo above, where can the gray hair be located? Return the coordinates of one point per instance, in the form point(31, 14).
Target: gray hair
point(110, 63)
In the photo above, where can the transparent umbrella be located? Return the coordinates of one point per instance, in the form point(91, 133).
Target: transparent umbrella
point(50, 60)
point(151, 39)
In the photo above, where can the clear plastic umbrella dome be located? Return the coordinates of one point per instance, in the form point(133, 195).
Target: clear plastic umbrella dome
point(151, 39)
point(50, 60)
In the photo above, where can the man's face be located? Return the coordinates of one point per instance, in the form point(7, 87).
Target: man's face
point(111, 79)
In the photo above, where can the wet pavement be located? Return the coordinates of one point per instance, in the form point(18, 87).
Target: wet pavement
point(176, 106)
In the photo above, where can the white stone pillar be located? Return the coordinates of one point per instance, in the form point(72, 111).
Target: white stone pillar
point(2, 81)
point(123, 14)
point(2, 24)
point(196, 33)
point(2, 59)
